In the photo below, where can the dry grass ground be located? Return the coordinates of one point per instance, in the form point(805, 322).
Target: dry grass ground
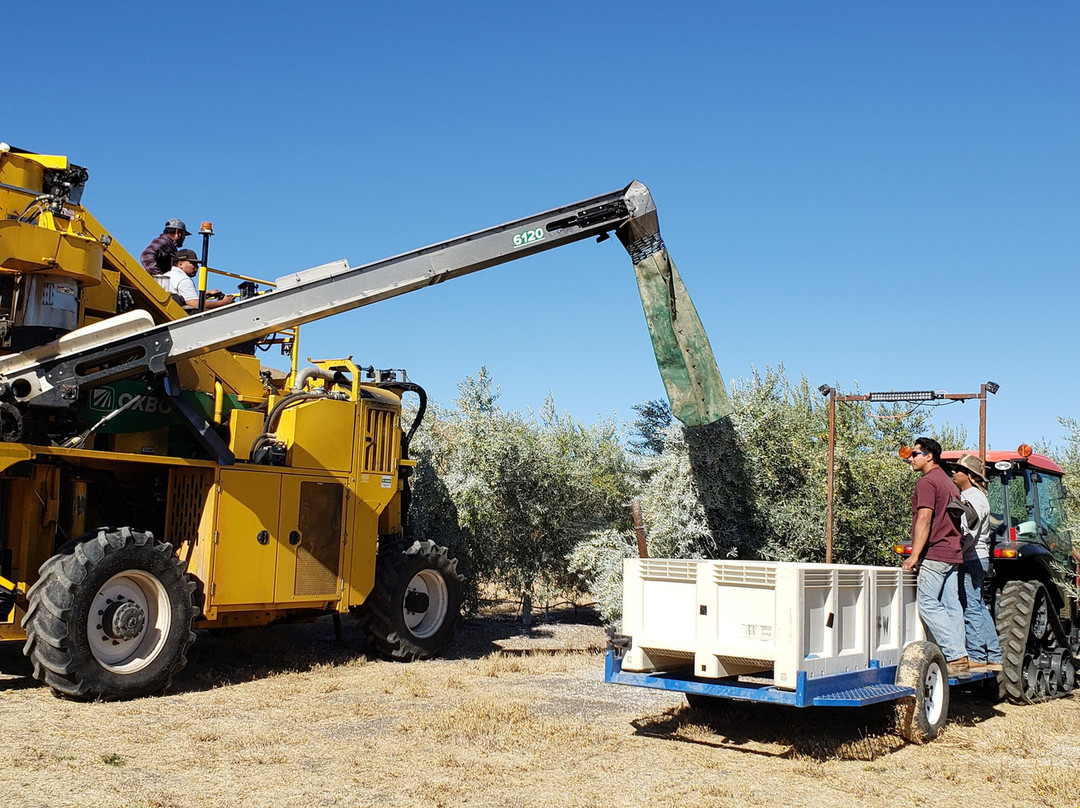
point(289, 717)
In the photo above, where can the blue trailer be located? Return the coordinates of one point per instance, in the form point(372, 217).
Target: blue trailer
point(919, 685)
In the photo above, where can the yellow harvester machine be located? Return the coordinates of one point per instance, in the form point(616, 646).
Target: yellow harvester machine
point(231, 498)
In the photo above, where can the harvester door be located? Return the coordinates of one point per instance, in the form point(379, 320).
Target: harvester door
point(245, 555)
point(310, 539)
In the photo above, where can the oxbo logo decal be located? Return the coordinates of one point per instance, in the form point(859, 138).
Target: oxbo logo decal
point(106, 400)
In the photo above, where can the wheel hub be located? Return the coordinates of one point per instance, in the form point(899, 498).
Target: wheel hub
point(123, 620)
point(416, 602)
point(425, 603)
point(128, 621)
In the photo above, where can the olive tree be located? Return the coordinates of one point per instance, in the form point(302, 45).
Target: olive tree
point(518, 492)
point(754, 486)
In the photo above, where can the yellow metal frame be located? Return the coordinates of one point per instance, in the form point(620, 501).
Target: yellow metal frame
point(213, 515)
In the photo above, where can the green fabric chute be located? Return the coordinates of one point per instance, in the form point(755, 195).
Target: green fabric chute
point(694, 385)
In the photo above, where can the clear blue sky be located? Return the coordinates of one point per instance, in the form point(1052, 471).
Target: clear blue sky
point(878, 195)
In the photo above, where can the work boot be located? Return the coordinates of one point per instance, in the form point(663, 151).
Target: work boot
point(977, 665)
point(958, 667)
point(996, 667)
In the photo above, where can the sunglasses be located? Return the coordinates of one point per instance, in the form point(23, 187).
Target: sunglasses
point(916, 454)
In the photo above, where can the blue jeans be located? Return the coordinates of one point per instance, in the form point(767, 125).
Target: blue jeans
point(939, 606)
point(980, 631)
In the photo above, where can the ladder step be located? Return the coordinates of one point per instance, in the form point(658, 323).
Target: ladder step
point(859, 696)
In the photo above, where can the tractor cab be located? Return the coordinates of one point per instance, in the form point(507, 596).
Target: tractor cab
point(1027, 503)
point(1029, 536)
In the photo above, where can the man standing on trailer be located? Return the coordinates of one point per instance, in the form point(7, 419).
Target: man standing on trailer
point(984, 648)
point(935, 553)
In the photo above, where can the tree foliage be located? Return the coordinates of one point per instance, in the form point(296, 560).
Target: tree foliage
point(755, 486)
point(647, 431)
point(516, 492)
point(539, 502)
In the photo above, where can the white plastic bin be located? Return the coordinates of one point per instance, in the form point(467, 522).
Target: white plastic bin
point(778, 619)
point(659, 612)
point(736, 618)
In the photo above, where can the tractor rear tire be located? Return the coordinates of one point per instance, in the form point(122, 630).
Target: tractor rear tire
point(922, 667)
point(414, 608)
point(112, 619)
point(1017, 604)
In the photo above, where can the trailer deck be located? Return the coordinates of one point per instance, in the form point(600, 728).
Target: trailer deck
point(872, 685)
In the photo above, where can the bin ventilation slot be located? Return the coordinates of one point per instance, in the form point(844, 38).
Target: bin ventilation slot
point(818, 578)
point(746, 575)
point(850, 578)
point(669, 569)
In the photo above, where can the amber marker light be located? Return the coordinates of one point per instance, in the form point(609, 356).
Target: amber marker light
point(1023, 450)
point(905, 452)
point(902, 549)
point(1006, 552)
point(206, 229)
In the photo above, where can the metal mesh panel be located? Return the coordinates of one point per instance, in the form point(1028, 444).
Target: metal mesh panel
point(320, 530)
point(380, 440)
point(320, 525)
point(669, 652)
point(187, 495)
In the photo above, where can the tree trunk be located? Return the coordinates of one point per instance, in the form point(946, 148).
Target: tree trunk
point(526, 610)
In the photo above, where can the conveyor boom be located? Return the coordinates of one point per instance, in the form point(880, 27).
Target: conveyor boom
point(55, 375)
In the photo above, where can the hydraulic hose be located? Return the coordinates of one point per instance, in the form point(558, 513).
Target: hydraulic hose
point(272, 416)
point(409, 387)
point(406, 437)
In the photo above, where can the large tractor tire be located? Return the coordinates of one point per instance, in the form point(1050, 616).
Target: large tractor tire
point(922, 667)
point(1035, 667)
point(112, 619)
point(414, 608)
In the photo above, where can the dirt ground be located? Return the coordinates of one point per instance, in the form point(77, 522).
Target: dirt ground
point(288, 716)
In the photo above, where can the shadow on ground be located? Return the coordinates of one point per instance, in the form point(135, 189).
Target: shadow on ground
point(232, 656)
point(226, 657)
point(819, 733)
point(16, 672)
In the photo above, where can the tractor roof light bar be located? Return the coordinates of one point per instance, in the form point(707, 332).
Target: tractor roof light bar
point(912, 396)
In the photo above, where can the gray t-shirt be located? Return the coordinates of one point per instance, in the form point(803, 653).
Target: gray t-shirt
point(977, 539)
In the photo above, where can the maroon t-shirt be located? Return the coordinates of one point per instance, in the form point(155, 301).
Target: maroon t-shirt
point(934, 490)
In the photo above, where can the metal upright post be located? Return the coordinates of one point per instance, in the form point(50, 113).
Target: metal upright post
point(205, 231)
point(829, 484)
point(639, 528)
point(982, 426)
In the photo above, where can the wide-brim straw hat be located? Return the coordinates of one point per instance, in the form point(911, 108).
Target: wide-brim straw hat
point(970, 464)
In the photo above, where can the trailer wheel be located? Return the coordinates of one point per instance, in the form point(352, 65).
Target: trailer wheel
point(919, 718)
point(413, 610)
point(112, 619)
